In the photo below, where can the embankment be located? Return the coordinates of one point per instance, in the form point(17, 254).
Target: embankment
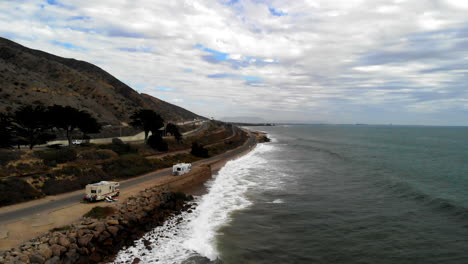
point(92, 240)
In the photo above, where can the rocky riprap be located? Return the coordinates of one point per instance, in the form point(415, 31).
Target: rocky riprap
point(98, 241)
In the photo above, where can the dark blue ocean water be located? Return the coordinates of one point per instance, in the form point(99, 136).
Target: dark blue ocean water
point(332, 194)
point(357, 194)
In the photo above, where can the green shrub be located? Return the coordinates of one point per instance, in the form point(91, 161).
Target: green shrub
point(56, 156)
point(199, 150)
point(157, 142)
point(127, 166)
point(23, 166)
point(121, 149)
point(99, 212)
point(14, 190)
point(70, 171)
point(97, 154)
point(117, 141)
point(9, 155)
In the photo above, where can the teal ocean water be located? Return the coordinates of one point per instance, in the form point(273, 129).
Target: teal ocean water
point(329, 194)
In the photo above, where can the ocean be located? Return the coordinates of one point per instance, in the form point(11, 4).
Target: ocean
point(328, 194)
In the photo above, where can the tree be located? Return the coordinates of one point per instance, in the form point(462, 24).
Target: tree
point(199, 150)
point(32, 125)
point(148, 120)
point(6, 131)
point(69, 119)
point(174, 130)
point(155, 141)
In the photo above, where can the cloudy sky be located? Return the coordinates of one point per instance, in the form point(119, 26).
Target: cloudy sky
point(334, 61)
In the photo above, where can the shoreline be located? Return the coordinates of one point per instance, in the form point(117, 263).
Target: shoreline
point(16, 232)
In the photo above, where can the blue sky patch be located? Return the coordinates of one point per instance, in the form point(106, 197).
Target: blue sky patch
point(58, 4)
point(78, 18)
point(165, 89)
point(119, 32)
point(230, 2)
point(220, 57)
point(67, 45)
point(277, 12)
point(215, 56)
point(138, 49)
point(248, 79)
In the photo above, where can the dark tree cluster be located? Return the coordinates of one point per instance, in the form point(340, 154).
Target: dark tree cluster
point(199, 151)
point(174, 131)
point(157, 142)
point(149, 121)
point(34, 125)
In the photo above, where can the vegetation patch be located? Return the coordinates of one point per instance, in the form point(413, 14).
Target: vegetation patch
point(9, 155)
point(233, 143)
point(199, 151)
point(127, 166)
point(53, 157)
point(157, 142)
point(14, 190)
point(120, 149)
point(97, 154)
point(100, 212)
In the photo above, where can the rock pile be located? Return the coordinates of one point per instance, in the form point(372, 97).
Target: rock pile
point(96, 241)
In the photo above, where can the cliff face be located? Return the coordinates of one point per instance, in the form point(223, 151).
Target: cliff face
point(30, 76)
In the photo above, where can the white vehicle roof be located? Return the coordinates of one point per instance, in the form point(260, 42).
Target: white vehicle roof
point(102, 183)
point(182, 165)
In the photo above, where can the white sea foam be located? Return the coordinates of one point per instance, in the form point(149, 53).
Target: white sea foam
point(277, 201)
point(191, 234)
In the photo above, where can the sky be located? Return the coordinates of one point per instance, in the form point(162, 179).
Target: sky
point(331, 61)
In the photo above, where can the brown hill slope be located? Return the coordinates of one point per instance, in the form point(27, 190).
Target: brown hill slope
point(30, 76)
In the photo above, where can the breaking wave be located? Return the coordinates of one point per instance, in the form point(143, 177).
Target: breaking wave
point(191, 236)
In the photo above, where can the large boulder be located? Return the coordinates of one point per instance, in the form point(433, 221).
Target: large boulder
point(63, 241)
point(45, 251)
point(113, 230)
point(100, 227)
point(95, 257)
point(71, 256)
point(57, 250)
point(54, 260)
point(84, 240)
point(36, 259)
point(112, 222)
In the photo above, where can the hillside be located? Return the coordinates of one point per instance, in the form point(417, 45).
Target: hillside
point(30, 76)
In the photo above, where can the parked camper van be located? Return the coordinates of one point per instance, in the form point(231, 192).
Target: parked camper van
point(181, 168)
point(103, 190)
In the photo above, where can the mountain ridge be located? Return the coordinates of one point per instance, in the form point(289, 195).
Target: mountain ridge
point(29, 76)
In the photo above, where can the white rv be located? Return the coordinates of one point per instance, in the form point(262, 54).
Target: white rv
point(181, 168)
point(101, 191)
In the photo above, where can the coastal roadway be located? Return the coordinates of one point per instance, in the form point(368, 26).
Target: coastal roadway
point(77, 196)
point(127, 139)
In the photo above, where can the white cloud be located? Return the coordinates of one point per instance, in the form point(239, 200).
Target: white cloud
point(322, 57)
